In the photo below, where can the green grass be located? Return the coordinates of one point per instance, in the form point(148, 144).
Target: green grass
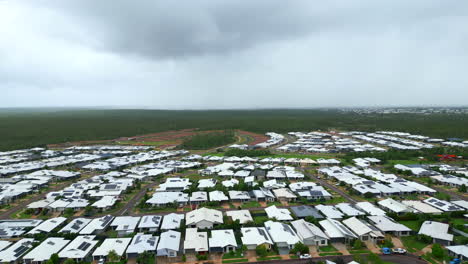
point(412, 244)
point(330, 254)
point(251, 204)
point(415, 225)
point(328, 248)
point(268, 258)
point(233, 255)
point(235, 260)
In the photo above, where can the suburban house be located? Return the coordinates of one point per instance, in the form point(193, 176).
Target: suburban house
point(284, 194)
point(169, 244)
point(222, 241)
point(218, 196)
point(303, 211)
point(150, 223)
point(255, 236)
point(280, 214)
point(172, 221)
point(79, 249)
point(262, 195)
point(282, 235)
point(97, 225)
point(336, 231)
point(75, 225)
point(389, 226)
point(142, 243)
point(204, 218)
point(13, 253)
point(45, 250)
point(118, 245)
point(195, 242)
point(364, 230)
point(309, 233)
point(437, 231)
point(125, 225)
point(243, 216)
point(239, 196)
point(460, 252)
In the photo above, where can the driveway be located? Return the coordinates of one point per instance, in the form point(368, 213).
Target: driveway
point(341, 248)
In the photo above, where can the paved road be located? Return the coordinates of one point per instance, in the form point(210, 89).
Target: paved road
point(398, 259)
point(331, 186)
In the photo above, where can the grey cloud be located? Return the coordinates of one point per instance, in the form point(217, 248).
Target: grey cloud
point(233, 54)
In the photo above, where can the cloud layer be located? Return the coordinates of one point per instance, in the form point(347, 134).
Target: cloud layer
point(233, 54)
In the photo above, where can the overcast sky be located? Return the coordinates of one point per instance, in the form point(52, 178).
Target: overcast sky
point(233, 54)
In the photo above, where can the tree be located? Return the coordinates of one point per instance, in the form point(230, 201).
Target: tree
point(374, 258)
point(112, 256)
point(437, 251)
point(300, 248)
point(261, 251)
point(69, 261)
point(55, 258)
point(462, 188)
point(357, 245)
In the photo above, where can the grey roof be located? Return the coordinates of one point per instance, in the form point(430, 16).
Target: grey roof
point(305, 210)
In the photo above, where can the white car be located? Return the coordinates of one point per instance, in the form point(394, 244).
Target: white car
point(305, 256)
point(399, 250)
point(101, 261)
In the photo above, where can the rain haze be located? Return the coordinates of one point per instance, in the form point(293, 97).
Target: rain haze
point(233, 54)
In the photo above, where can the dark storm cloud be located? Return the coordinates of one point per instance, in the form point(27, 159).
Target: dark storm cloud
point(231, 54)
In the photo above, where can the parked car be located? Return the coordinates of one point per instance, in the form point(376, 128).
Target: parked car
point(399, 251)
point(305, 256)
point(386, 251)
point(101, 261)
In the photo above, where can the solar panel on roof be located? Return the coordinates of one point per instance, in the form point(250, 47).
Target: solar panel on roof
point(20, 251)
point(84, 246)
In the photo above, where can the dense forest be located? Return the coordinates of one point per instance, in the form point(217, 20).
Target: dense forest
point(37, 127)
point(209, 140)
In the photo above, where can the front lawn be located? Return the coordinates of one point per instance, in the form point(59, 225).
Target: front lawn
point(328, 248)
point(233, 255)
point(412, 244)
point(235, 260)
point(330, 254)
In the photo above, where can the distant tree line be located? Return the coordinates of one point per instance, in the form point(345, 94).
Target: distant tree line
point(38, 127)
point(209, 140)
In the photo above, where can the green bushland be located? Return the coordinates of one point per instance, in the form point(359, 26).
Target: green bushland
point(24, 128)
point(209, 140)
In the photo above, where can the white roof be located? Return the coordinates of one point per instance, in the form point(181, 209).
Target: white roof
point(172, 221)
point(48, 225)
point(255, 236)
point(46, 249)
point(239, 195)
point(284, 193)
point(281, 233)
point(348, 209)
point(329, 211)
point(306, 230)
point(387, 224)
point(422, 207)
point(141, 243)
point(395, 206)
point(204, 214)
point(435, 230)
point(125, 223)
point(335, 229)
point(75, 225)
point(370, 208)
point(217, 196)
point(461, 203)
point(97, 224)
point(16, 251)
point(459, 250)
point(79, 248)
point(106, 201)
point(360, 227)
point(222, 238)
point(280, 214)
point(4, 244)
point(243, 216)
point(162, 198)
point(119, 245)
point(443, 205)
point(169, 240)
point(195, 240)
point(150, 221)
